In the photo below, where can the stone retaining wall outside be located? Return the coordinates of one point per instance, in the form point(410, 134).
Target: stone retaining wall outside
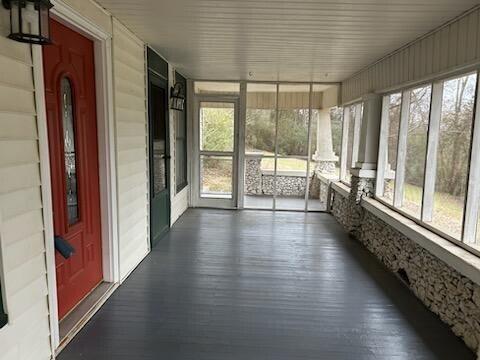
point(450, 295)
point(288, 183)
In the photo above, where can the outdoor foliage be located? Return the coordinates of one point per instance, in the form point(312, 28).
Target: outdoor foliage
point(260, 133)
point(216, 133)
point(292, 131)
point(455, 135)
point(452, 155)
point(217, 127)
point(417, 135)
point(336, 115)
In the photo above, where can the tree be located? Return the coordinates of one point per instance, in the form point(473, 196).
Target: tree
point(217, 129)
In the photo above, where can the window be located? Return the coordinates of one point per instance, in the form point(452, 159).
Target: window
point(69, 151)
point(181, 143)
point(388, 157)
point(286, 158)
point(217, 125)
point(415, 146)
point(217, 148)
point(337, 124)
point(352, 120)
point(452, 156)
point(424, 156)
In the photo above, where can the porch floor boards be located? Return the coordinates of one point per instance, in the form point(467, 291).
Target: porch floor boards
point(251, 285)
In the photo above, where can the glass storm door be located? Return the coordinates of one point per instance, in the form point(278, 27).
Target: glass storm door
point(217, 152)
point(69, 74)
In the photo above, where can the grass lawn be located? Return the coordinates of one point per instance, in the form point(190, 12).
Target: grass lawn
point(447, 209)
point(444, 203)
point(286, 164)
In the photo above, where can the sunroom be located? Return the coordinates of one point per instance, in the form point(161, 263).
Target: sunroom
point(219, 179)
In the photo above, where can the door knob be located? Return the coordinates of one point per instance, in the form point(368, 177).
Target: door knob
point(63, 247)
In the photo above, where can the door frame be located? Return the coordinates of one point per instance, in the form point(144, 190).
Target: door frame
point(102, 40)
point(197, 200)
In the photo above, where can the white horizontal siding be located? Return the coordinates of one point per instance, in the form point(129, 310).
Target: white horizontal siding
point(24, 281)
point(449, 48)
point(132, 160)
point(93, 12)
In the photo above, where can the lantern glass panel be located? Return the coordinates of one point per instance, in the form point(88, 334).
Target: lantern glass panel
point(30, 20)
point(44, 21)
point(15, 16)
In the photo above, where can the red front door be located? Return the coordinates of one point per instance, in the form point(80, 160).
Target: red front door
point(69, 73)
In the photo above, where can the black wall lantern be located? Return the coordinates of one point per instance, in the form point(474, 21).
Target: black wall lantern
point(177, 97)
point(29, 20)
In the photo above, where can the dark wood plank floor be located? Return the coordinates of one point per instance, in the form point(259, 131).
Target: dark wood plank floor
point(261, 285)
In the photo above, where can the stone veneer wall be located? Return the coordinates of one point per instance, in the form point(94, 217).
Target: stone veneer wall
point(287, 185)
point(259, 182)
point(450, 295)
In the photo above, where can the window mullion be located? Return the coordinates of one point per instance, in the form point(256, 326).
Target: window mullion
point(473, 190)
point(402, 149)
point(432, 151)
point(383, 147)
point(356, 134)
point(275, 166)
point(309, 149)
point(343, 153)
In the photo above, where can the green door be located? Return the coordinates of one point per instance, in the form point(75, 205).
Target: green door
point(159, 157)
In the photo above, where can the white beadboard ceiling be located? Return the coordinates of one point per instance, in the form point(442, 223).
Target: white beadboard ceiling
point(288, 40)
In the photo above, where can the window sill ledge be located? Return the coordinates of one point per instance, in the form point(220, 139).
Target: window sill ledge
point(341, 188)
point(453, 255)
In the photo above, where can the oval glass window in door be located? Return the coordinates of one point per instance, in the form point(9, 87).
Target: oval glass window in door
point(69, 151)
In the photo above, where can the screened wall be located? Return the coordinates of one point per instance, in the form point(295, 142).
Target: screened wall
point(429, 156)
point(283, 144)
point(288, 131)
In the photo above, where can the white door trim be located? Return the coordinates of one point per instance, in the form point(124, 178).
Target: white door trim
point(198, 201)
point(107, 159)
point(242, 118)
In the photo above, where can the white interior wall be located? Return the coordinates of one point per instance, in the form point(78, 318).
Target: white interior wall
point(453, 47)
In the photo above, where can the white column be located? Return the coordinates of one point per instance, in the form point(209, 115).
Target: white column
point(369, 137)
point(324, 155)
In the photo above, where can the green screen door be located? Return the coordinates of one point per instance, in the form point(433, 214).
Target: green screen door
point(159, 158)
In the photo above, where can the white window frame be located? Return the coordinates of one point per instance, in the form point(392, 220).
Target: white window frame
point(344, 167)
point(472, 196)
point(383, 147)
